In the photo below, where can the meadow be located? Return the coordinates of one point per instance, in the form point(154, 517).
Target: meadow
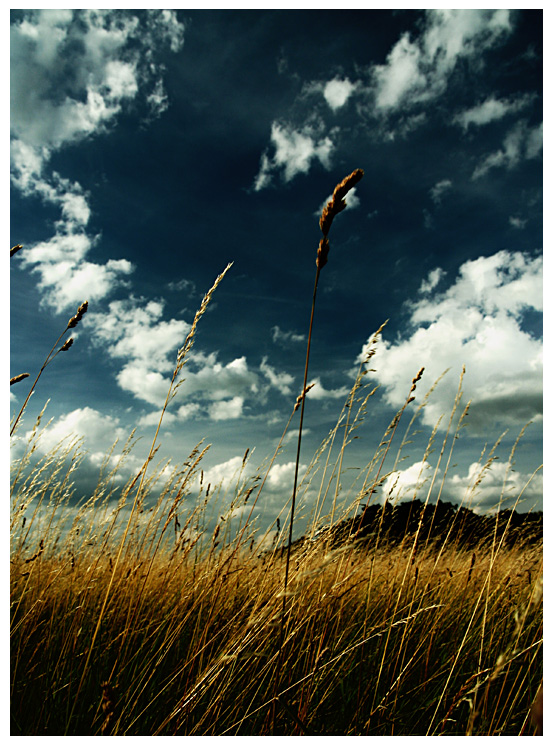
point(135, 613)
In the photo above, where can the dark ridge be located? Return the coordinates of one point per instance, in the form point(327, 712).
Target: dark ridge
point(461, 527)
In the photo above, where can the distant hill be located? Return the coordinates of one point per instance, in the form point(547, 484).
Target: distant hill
point(461, 527)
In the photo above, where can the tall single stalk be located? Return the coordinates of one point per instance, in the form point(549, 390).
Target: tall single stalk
point(334, 206)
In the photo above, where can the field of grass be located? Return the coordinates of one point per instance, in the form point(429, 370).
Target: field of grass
point(137, 614)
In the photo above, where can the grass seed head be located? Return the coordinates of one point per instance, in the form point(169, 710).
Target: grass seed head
point(337, 203)
point(18, 378)
point(80, 312)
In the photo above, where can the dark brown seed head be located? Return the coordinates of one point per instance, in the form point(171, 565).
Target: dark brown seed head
point(14, 250)
point(67, 344)
point(337, 203)
point(18, 378)
point(322, 252)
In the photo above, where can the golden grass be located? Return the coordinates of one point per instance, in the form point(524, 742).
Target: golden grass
point(142, 611)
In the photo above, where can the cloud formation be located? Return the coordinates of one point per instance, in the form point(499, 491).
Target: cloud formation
point(418, 70)
point(477, 322)
point(482, 487)
point(72, 73)
point(295, 150)
point(522, 142)
point(336, 92)
point(490, 110)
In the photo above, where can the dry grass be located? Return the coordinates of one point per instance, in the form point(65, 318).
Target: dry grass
point(141, 612)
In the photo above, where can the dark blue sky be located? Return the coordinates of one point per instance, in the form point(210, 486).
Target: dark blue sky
point(151, 148)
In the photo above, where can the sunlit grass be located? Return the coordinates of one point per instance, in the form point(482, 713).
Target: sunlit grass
point(154, 607)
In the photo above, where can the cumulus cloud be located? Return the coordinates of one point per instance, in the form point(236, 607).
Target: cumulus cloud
point(319, 392)
point(72, 73)
point(224, 473)
point(406, 485)
point(498, 485)
point(73, 70)
point(281, 476)
point(279, 380)
point(223, 410)
point(336, 92)
point(207, 376)
point(482, 487)
point(476, 322)
point(417, 70)
point(208, 387)
point(134, 331)
point(401, 75)
point(295, 150)
point(432, 280)
point(85, 423)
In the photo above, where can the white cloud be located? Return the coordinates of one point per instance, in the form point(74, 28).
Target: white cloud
point(281, 477)
point(205, 376)
point(85, 423)
point(138, 378)
point(520, 143)
point(337, 92)
point(500, 485)
point(295, 150)
point(534, 141)
point(490, 110)
point(152, 419)
point(476, 323)
point(72, 70)
point(481, 488)
point(418, 70)
point(71, 74)
point(434, 277)
point(318, 392)
point(133, 330)
point(406, 485)
point(279, 380)
point(400, 75)
point(286, 337)
point(437, 191)
point(188, 410)
point(120, 79)
point(517, 222)
point(223, 410)
point(224, 473)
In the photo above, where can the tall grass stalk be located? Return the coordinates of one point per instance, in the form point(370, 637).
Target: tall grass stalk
point(335, 205)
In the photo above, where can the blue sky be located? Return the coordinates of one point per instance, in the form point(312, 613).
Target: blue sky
point(151, 148)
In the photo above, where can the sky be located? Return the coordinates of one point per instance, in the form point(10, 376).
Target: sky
point(151, 148)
